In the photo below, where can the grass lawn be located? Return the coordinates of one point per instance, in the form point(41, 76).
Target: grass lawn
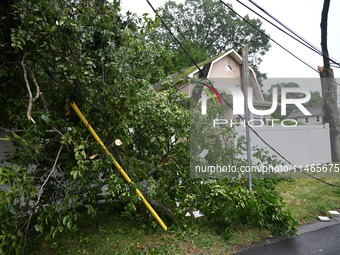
point(116, 236)
point(306, 198)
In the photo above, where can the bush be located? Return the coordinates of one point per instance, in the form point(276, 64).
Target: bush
point(229, 204)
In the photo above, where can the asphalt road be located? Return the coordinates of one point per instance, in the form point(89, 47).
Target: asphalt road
point(324, 241)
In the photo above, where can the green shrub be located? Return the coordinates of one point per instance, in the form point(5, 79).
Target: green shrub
point(229, 204)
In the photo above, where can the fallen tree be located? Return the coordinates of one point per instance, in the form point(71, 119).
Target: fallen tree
point(88, 52)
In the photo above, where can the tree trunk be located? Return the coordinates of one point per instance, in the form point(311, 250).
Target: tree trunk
point(330, 112)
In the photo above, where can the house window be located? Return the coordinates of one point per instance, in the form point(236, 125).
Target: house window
point(306, 119)
point(228, 68)
point(317, 118)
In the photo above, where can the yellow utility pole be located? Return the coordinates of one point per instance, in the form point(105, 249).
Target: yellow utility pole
point(116, 164)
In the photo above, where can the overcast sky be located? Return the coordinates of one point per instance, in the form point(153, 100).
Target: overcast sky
point(303, 16)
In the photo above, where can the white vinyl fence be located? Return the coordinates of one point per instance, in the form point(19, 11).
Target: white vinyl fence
point(302, 145)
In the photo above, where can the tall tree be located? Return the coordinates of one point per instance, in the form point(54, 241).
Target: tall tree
point(289, 108)
point(315, 100)
point(330, 112)
point(207, 28)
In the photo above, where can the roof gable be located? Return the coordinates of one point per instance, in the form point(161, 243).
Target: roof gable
point(239, 61)
point(213, 68)
point(213, 60)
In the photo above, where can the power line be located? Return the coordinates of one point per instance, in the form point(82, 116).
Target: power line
point(274, 41)
point(298, 39)
point(303, 41)
point(229, 105)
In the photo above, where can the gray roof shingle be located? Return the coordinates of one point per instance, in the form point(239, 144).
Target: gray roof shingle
point(296, 113)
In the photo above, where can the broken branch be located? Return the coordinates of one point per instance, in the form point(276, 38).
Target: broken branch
point(30, 101)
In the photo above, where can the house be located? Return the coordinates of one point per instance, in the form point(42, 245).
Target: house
point(314, 119)
point(222, 69)
point(228, 66)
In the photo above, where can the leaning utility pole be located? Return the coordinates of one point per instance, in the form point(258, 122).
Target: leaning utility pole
point(330, 112)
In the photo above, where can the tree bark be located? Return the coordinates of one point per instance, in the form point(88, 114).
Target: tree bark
point(330, 112)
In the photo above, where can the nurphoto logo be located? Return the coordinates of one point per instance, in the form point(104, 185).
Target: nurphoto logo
point(239, 106)
point(238, 101)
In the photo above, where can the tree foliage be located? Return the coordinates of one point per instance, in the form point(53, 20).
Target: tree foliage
point(86, 51)
point(315, 100)
point(207, 28)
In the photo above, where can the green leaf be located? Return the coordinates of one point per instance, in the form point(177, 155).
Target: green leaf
point(13, 210)
point(39, 227)
point(65, 220)
point(45, 118)
point(69, 224)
